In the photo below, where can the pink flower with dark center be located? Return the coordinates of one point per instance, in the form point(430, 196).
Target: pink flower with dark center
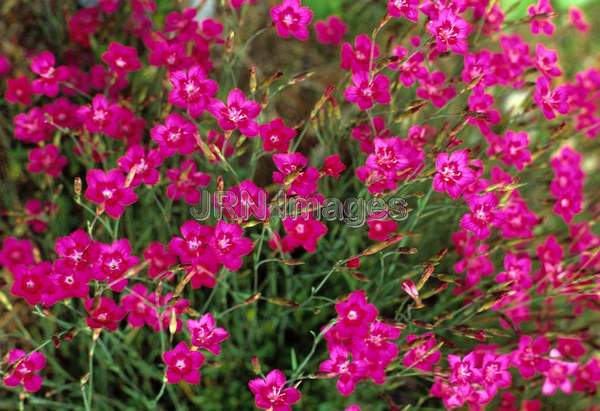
point(24, 370)
point(514, 150)
point(276, 136)
point(103, 313)
point(114, 262)
point(362, 57)
point(422, 355)
point(408, 9)
point(483, 214)
point(238, 113)
point(229, 245)
point(192, 90)
point(303, 231)
point(366, 91)
point(578, 20)
point(270, 393)
point(529, 356)
point(78, 251)
point(330, 31)
point(433, 87)
point(183, 364)
point(121, 59)
point(451, 32)
point(545, 61)
point(206, 335)
point(291, 19)
point(33, 283)
point(160, 260)
point(49, 77)
point(540, 15)
point(46, 159)
point(18, 90)
point(176, 135)
point(333, 166)
point(108, 191)
point(145, 165)
point(453, 173)
point(186, 182)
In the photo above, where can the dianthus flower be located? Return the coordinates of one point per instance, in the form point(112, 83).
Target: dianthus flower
point(366, 91)
point(108, 191)
point(238, 113)
point(276, 136)
point(408, 9)
point(114, 262)
point(145, 165)
point(451, 32)
point(121, 59)
point(270, 393)
point(103, 313)
point(330, 31)
point(229, 245)
point(46, 159)
point(183, 364)
point(25, 370)
point(291, 19)
point(192, 90)
point(186, 182)
point(303, 231)
point(453, 173)
point(50, 77)
point(206, 335)
point(18, 90)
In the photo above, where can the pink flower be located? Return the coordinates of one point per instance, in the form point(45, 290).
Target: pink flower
point(78, 251)
point(160, 260)
point(545, 61)
point(478, 66)
point(349, 371)
point(38, 213)
point(517, 270)
point(171, 54)
point(333, 166)
point(31, 127)
point(63, 113)
point(408, 9)
point(103, 313)
point(192, 90)
point(25, 368)
point(331, 31)
point(409, 69)
point(238, 113)
point(381, 230)
point(49, 76)
point(99, 116)
point(570, 347)
point(529, 356)
point(5, 65)
point(108, 191)
point(145, 165)
point(540, 15)
point(422, 354)
point(587, 377)
point(355, 314)
point(83, 24)
point(270, 393)
point(109, 6)
point(18, 90)
point(364, 133)
point(237, 4)
point(517, 220)
point(46, 159)
point(362, 57)
point(550, 101)
point(494, 372)
point(305, 183)
point(291, 19)
point(244, 201)
point(114, 262)
point(453, 173)
point(514, 150)
point(193, 246)
point(481, 105)
point(229, 245)
point(121, 59)
point(303, 231)
point(276, 136)
point(177, 135)
point(69, 282)
point(33, 283)
point(432, 87)
point(183, 364)
point(206, 335)
point(578, 20)
point(139, 309)
point(483, 214)
point(557, 375)
point(186, 182)
point(365, 92)
point(463, 370)
point(450, 31)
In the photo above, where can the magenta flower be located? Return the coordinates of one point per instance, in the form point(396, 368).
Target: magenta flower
point(5, 65)
point(63, 113)
point(49, 77)
point(365, 133)
point(378, 346)
point(587, 377)
point(68, 282)
point(33, 283)
point(548, 100)
point(160, 260)
point(46, 159)
point(362, 57)
point(303, 231)
point(183, 364)
point(545, 61)
point(229, 245)
point(381, 230)
point(451, 32)
point(494, 372)
point(478, 69)
point(192, 90)
point(578, 20)
point(77, 251)
point(433, 87)
point(481, 105)
point(114, 262)
point(31, 127)
point(540, 15)
point(206, 335)
point(25, 370)
point(83, 24)
point(244, 201)
point(463, 371)
point(177, 135)
point(145, 165)
point(349, 371)
point(121, 59)
point(570, 347)
point(483, 214)
point(270, 393)
point(331, 31)
point(517, 220)
point(276, 136)
point(355, 314)
point(514, 150)
point(366, 91)
point(422, 354)
point(305, 182)
point(408, 9)
point(108, 191)
point(168, 309)
point(18, 90)
point(409, 69)
point(517, 270)
point(557, 375)
point(99, 116)
point(237, 4)
point(453, 173)
point(139, 309)
point(193, 245)
point(333, 166)
point(125, 125)
point(103, 313)
point(238, 113)
point(186, 182)
point(291, 19)
point(529, 356)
